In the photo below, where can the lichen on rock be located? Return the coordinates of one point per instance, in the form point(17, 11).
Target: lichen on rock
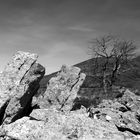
point(18, 83)
point(62, 89)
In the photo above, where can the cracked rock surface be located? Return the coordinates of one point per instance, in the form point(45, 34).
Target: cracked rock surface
point(18, 83)
point(50, 124)
point(27, 115)
point(123, 112)
point(62, 89)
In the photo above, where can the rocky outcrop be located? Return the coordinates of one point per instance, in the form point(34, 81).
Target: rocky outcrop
point(123, 112)
point(130, 100)
point(50, 124)
point(18, 83)
point(27, 113)
point(62, 89)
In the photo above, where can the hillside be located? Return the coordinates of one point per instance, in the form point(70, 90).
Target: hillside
point(64, 108)
point(91, 91)
point(131, 77)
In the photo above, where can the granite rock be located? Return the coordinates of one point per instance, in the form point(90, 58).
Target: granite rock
point(18, 83)
point(52, 124)
point(61, 90)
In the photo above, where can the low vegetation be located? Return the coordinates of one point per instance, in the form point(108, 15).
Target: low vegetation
point(112, 57)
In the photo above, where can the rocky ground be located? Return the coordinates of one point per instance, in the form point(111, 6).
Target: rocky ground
point(28, 114)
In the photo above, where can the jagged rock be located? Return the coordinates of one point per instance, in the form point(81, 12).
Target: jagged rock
point(25, 129)
point(6, 138)
point(102, 113)
point(130, 100)
point(44, 114)
point(108, 108)
point(50, 124)
point(18, 82)
point(128, 121)
point(125, 121)
point(121, 114)
point(62, 89)
point(24, 93)
point(11, 76)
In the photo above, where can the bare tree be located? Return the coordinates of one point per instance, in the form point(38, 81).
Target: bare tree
point(122, 52)
point(110, 54)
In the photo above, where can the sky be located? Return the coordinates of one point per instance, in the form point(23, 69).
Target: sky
point(59, 31)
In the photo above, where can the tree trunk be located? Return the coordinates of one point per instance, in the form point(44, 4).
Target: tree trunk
point(104, 83)
point(115, 71)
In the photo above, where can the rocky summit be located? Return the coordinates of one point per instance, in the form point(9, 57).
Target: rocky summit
point(62, 89)
point(30, 111)
point(18, 83)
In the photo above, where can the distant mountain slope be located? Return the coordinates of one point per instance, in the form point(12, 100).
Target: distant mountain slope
point(91, 87)
point(131, 77)
point(84, 68)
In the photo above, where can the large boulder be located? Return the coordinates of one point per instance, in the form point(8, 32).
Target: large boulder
point(61, 90)
point(130, 100)
point(18, 83)
point(123, 112)
point(50, 124)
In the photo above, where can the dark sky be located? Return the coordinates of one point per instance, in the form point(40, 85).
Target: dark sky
point(59, 30)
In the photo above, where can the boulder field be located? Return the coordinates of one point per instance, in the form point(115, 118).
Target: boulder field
point(28, 114)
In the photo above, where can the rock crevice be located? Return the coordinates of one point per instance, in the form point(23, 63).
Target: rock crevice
point(19, 80)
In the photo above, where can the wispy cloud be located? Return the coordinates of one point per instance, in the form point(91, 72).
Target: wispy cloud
point(81, 28)
point(59, 31)
point(63, 53)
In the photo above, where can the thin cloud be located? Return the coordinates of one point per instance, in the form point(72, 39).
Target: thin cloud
point(51, 27)
point(81, 28)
